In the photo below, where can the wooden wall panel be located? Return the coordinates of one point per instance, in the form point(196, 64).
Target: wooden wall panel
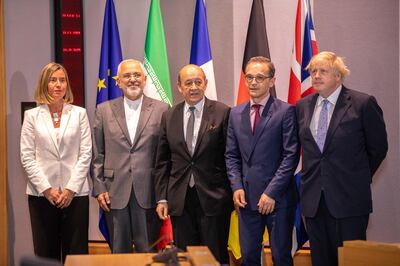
point(3, 148)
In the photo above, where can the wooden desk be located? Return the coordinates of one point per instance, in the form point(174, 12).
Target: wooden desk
point(139, 259)
point(360, 253)
point(196, 256)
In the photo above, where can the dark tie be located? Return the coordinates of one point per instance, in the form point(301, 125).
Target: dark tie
point(322, 125)
point(190, 129)
point(257, 117)
point(189, 138)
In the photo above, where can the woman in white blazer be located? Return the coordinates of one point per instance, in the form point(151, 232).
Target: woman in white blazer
point(56, 151)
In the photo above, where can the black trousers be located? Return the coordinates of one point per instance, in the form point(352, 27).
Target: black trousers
point(59, 232)
point(194, 228)
point(327, 233)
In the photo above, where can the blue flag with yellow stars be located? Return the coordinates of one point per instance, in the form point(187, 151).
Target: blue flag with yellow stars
point(110, 57)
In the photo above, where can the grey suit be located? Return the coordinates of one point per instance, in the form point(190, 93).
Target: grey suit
point(125, 170)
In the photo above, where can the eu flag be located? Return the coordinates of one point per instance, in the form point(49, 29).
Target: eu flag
point(110, 57)
point(107, 89)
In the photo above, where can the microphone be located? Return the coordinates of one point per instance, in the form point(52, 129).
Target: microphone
point(168, 256)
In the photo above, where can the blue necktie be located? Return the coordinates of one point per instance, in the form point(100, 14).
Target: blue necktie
point(322, 125)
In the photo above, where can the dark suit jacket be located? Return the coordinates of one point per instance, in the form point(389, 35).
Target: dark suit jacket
point(263, 162)
point(355, 145)
point(175, 165)
point(118, 165)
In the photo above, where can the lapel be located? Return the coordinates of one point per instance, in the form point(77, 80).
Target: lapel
point(65, 117)
point(246, 130)
point(309, 110)
point(208, 110)
point(145, 112)
point(308, 114)
point(117, 107)
point(45, 116)
point(177, 126)
point(265, 117)
point(342, 105)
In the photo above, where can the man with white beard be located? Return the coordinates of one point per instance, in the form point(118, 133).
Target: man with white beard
point(125, 140)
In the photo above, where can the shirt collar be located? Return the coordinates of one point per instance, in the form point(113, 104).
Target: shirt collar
point(263, 102)
point(198, 106)
point(133, 104)
point(332, 99)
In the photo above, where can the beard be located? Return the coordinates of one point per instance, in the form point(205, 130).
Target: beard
point(133, 92)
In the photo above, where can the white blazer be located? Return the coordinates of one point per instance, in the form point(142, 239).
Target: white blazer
point(62, 164)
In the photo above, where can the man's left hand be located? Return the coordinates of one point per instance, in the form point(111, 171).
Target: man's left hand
point(266, 205)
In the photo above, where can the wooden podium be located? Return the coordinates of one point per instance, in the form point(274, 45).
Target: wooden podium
point(361, 253)
point(195, 256)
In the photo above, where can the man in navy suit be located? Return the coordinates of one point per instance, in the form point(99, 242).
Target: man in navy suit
point(343, 138)
point(261, 155)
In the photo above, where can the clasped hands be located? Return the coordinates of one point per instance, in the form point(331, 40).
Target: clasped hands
point(59, 199)
point(266, 205)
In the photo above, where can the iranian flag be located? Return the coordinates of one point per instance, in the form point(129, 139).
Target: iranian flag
point(158, 85)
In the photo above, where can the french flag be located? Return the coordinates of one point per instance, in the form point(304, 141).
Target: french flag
point(200, 53)
point(305, 46)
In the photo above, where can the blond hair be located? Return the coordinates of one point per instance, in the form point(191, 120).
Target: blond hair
point(42, 95)
point(330, 58)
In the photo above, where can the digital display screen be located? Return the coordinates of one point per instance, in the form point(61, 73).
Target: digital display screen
point(69, 44)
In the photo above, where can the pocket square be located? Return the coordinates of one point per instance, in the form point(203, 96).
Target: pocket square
point(211, 127)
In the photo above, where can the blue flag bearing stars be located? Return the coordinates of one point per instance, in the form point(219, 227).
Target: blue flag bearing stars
point(110, 57)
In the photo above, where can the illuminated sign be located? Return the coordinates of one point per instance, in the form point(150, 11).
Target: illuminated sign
point(69, 44)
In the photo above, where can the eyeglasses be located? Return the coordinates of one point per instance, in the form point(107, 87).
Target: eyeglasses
point(135, 75)
point(189, 83)
point(259, 78)
point(53, 80)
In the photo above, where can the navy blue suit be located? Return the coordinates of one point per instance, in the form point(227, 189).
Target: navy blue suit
point(335, 192)
point(264, 163)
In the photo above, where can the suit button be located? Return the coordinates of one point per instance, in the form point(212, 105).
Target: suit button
point(192, 163)
point(131, 151)
point(130, 170)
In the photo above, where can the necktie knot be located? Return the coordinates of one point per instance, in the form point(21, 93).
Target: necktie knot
point(256, 107)
point(192, 108)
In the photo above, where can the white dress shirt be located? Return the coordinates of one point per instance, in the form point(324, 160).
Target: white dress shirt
point(332, 99)
point(132, 114)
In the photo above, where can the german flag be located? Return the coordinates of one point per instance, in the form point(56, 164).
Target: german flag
point(256, 45)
